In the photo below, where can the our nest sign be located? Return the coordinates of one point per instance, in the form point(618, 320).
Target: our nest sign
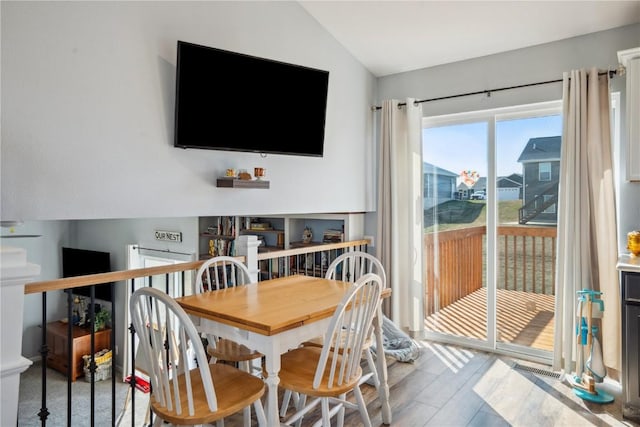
point(168, 236)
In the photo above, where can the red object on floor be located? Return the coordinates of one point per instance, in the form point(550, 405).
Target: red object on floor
point(141, 384)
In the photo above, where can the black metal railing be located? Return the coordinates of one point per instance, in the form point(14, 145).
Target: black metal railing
point(308, 260)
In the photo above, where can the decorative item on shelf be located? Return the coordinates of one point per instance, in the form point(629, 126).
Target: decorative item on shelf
point(231, 173)
point(78, 311)
point(307, 235)
point(102, 318)
point(633, 242)
point(259, 173)
point(244, 175)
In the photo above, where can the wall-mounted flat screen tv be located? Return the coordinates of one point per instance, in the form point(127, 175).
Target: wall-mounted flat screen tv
point(81, 262)
point(231, 101)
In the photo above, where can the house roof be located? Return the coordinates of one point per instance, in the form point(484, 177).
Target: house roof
point(429, 169)
point(515, 177)
point(511, 181)
point(541, 149)
point(481, 184)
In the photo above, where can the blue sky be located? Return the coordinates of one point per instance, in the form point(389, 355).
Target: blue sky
point(464, 147)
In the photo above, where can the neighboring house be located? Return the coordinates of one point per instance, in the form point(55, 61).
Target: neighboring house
point(509, 187)
point(479, 186)
point(540, 175)
point(463, 191)
point(439, 185)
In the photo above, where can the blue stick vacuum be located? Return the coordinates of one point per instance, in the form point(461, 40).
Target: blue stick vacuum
point(587, 374)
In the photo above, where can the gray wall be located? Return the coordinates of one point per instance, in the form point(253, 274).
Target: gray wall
point(88, 104)
point(534, 64)
point(106, 235)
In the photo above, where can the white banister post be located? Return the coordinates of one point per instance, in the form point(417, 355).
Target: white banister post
point(247, 246)
point(15, 272)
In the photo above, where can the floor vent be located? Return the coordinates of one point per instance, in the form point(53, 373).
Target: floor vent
point(536, 371)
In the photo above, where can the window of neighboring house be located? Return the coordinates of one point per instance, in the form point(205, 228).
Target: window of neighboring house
point(551, 209)
point(544, 171)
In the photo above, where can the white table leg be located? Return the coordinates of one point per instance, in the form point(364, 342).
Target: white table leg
point(272, 364)
point(383, 393)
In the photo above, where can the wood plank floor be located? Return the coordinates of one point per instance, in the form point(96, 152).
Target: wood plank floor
point(445, 386)
point(523, 318)
point(453, 386)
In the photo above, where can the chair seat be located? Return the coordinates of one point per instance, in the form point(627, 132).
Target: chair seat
point(298, 368)
point(239, 389)
point(231, 351)
point(319, 342)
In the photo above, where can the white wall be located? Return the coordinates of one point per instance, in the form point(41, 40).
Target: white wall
point(534, 64)
point(43, 250)
point(87, 112)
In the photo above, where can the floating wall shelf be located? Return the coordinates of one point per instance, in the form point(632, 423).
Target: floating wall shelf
point(241, 183)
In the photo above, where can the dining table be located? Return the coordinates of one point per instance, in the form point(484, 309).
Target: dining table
point(276, 315)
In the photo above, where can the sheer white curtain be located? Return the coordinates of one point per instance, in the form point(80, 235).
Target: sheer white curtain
point(400, 211)
point(587, 246)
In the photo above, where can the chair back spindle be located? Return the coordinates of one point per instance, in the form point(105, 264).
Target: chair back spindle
point(221, 272)
point(170, 344)
point(347, 332)
point(351, 266)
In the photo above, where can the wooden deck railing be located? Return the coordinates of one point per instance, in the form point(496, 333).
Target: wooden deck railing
point(526, 259)
point(454, 262)
point(453, 266)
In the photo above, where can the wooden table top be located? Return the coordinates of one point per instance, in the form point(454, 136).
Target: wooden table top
point(271, 306)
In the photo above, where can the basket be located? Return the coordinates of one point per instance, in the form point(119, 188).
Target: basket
point(103, 365)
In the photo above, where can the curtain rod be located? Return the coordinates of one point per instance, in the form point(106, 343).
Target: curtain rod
point(488, 92)
point(162, 250)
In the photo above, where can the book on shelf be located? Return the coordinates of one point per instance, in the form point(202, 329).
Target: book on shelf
point(260, 226)
point(224, 226)
point(219, 247)
point(332, 236)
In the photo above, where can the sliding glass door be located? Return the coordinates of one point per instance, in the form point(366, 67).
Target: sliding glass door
point(490, 193)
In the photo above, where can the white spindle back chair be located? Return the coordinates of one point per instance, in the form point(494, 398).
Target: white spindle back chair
point(171, 346)
point(327, 373)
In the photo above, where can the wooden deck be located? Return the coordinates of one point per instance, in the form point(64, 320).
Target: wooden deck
point(523, 318)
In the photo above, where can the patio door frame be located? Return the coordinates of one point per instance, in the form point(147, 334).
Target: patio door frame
point(491, 117)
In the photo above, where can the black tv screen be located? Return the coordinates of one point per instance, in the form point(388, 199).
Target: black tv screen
point(81, 262)
point(231, 101)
